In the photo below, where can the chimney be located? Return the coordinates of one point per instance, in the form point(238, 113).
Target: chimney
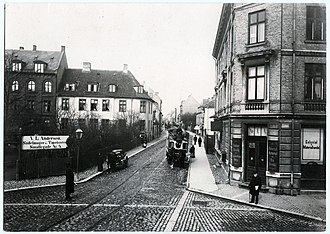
point(21, 48)
point(34, 47)
point(125, 69)
point(62, 48)
point(87, 67)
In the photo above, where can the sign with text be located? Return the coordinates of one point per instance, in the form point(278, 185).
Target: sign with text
point(44, 142)
point(273, 156)
point(237, 152)
point(312, 144)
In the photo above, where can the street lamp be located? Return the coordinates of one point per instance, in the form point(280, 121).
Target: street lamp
point(79, 134)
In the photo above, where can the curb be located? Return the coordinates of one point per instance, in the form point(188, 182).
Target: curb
point(257, 206)
point(84, 180)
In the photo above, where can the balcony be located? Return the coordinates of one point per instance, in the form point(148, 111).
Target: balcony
point(315, 106)
point(254, 106)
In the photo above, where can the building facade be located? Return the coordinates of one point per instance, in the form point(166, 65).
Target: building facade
point(270, 107)
point(100, 97)
point(31, 82)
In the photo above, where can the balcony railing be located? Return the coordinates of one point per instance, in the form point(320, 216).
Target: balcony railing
point(254, 106)
point(314, 106)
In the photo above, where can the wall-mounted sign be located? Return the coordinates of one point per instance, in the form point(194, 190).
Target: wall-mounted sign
point(237, 152)
point(312, 144)
point(273, 156)
point(44, 142)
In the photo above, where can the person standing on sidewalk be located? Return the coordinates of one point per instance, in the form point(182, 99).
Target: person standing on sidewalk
point(195, 139)
point(255, 186)
point(199, 141)
point(69, 182)
point(192, 151)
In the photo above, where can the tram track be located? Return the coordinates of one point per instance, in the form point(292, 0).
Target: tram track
point(145, 165)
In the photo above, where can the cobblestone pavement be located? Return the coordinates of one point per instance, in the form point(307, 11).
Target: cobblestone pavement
point(146, 196)
point(312, 204)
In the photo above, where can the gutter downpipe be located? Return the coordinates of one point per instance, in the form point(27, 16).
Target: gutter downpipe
point(292, 99)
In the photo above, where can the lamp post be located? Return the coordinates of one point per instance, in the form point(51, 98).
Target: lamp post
point(79, 134)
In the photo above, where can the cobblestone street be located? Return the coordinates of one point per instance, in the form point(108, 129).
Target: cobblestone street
point(146, 196)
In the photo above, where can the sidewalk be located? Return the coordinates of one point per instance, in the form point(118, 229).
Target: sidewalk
point(207, 175)
point(60, 180)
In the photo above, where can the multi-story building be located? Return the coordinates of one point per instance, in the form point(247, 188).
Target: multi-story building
point(99, 97)
point(157, 113)
point(31, 82)
point(270, 93)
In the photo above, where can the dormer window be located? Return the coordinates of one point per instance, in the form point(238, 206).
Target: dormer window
point(17, 66)
point(70, 87)
point(92, 87)
point(112, 88)
point(39, 67)
point(139, 89)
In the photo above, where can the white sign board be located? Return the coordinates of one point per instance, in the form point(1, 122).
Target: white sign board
point(312, 144)
point(44, 142)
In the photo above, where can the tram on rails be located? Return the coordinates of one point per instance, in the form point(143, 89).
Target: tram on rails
point(177, 147)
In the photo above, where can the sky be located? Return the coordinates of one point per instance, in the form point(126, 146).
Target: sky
point(167, 46)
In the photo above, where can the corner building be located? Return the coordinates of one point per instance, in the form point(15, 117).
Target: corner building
point(270, 107)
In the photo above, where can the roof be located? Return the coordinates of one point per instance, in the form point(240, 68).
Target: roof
point(29, 57)
point(124, 81)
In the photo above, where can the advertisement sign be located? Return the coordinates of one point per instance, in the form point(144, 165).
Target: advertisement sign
point(237, 152)
point(312, 144)
point(273, 156)
point(44, 142)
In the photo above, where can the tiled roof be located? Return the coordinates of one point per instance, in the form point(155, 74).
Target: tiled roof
point(125, 83)
point(52, 58)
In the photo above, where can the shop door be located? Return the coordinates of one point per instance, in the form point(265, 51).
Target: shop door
point(256, 154)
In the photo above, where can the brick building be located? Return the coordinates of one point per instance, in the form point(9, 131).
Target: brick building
point(270, 110)
point(31, 82)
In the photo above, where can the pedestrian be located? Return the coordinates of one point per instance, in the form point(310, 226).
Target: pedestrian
point(69, 182)
point(199, 141)
point(195, 139)
point(192, 151)
point(255, 186)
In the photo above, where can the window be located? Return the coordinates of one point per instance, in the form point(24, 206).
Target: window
point(14, 86)
point(105, 105)
point(316, 23)
point(138, 89)
point(94, 123)
point(314, 82)
point(112, 88)
point(256, 83)
point(39, 67)
point(92, 87)
point(47, 104)
point(17, 66)
point(64, 123)
point(257, 27)
point(143, 105)
point(31, 105)
point(65, 104)
point(82, 104)
point(94, 105)
point(70, 87)
point(48, 87)
point(31, 86)
point(122, 105)
point(142, 125)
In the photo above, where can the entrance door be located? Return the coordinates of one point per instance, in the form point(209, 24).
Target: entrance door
point(256, 154)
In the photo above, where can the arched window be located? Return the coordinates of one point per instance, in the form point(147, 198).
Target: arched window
point(48, 87)
point(14, 86)
point(31, 86)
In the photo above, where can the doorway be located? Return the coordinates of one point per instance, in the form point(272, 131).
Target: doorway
point(256, 155)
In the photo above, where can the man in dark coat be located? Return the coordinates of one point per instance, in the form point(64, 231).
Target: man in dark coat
point(192, 151)
point(69, 182)
point(255, 186)
point(195, 139)
point(199, 141)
